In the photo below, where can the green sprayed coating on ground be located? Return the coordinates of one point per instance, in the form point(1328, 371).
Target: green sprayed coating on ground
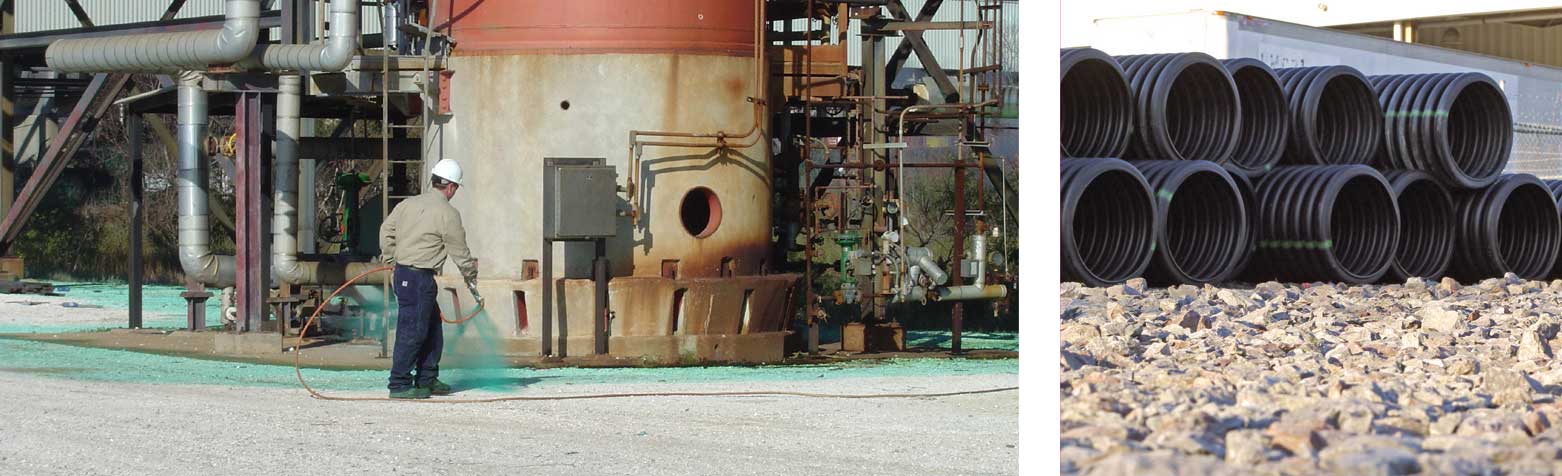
point(162, 308)
point(1009, 341)
point(83, 363)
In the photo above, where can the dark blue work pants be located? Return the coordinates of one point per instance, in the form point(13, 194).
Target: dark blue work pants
point(419, 339)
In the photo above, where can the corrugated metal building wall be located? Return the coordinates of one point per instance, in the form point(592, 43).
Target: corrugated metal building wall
point(43, 15)
point(945, 44)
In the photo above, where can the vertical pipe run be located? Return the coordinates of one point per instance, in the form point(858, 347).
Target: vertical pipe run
point(195, 253)
point(547, 297)
point(600, 314)
point(133, 123)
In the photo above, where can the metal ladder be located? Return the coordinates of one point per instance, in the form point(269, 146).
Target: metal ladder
point(387, 130)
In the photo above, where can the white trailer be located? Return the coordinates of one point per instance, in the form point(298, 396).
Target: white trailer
point(1534, 91)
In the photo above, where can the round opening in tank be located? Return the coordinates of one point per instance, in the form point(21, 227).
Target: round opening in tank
point(701, 212)
point(564, 105)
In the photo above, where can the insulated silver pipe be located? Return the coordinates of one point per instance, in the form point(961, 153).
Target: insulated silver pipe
point(340, 46)
point(162, 52)
point(978, 290)
point(285, 266)
point(195, 252)
point(925, 261)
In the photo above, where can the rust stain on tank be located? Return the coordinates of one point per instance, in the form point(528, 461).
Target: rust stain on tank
point(736, 86)
point(670, 94)
point(488, 27)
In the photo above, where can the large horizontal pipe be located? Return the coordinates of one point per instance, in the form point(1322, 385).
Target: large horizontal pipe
point(1185, 107)
point(1426, 226)
point(340, 46)
point(1095, 105)
point(1455, 126)
point(1203, 219)
point(971, 292)
point(1335, 118)
point(1326, 223)
point(1265, 124)
point(1109, 221)
point(162, 52)
point(1511, 226)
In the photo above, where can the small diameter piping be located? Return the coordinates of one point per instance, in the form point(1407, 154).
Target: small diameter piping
point(195, 252)
point(752, 137)
point(162, 52)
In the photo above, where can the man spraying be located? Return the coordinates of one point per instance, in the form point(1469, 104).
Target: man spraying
point(417, 237)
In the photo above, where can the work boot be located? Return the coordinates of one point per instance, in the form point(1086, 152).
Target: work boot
point(436, 387)
point(414, 393)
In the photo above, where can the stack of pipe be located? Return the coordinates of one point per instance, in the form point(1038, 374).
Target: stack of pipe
point(1299, 174)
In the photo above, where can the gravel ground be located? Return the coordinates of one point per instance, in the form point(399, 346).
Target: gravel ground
point(61, 426)
point(1414, 378)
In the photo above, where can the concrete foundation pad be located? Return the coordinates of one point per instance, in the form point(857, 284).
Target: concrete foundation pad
point(692, 349)
point(229, 343)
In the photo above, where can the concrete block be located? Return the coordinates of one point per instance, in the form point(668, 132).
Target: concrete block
point(248, 343)
point(880, 337)
point(10, 268)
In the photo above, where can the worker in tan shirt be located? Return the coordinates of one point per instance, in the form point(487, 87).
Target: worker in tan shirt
point(417, 237)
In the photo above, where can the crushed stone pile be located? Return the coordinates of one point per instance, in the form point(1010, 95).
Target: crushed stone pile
point(1414, 378)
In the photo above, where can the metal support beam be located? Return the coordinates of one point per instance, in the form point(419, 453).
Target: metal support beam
point(136, 182)
point(913, 42)
point(95, 101)
point(73, 132)
point(81, 13)
point(249, 194)
point(7, 114)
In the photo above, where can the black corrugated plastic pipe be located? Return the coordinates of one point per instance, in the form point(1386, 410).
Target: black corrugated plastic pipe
point(1095, 105)
point(1556, 193)
point(1335, 118)
point(1249, 201)
point(1326, 223)
point(1185, 107)
point(1455, 126)
point(1511, 226)
point(1203, 221)
point(1265, 117)
point(1426, 226)
point(1109, 221)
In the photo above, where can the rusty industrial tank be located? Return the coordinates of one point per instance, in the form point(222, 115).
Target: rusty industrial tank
point(532, 79)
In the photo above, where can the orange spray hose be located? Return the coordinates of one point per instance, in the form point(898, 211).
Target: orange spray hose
point(298, 371)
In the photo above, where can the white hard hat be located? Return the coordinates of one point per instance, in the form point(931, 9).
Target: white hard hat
point(449, 170)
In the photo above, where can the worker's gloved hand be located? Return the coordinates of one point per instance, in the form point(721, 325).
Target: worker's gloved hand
point(471, 286)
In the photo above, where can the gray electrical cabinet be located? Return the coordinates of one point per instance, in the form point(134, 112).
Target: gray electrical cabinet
point(581, 199)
